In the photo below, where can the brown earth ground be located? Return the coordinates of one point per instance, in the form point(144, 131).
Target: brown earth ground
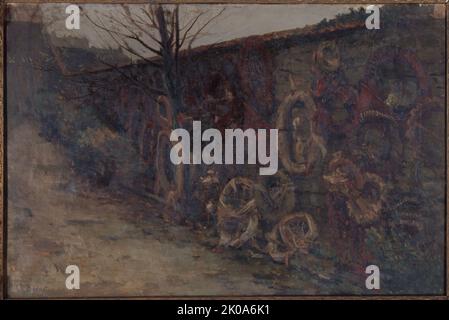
point(120, 244)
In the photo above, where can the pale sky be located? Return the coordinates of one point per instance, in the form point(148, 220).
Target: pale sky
point(236, 21)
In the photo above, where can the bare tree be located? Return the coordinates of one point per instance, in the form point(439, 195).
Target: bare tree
point(155, 30)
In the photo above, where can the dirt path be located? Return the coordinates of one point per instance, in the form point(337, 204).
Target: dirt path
point(120, 246)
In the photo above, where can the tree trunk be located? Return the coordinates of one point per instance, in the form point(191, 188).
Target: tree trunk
point(169, 57)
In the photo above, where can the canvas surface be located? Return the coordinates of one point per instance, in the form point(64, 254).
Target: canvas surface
point(348, 115)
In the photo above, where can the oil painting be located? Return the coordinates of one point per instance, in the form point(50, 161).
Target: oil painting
point(225, 150)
